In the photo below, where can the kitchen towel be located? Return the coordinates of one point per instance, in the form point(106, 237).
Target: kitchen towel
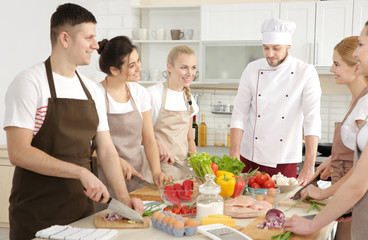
point(71, 233)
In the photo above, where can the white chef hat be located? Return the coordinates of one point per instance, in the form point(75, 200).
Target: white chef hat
point(277, 31)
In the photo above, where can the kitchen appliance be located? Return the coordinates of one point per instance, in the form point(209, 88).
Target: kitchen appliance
point(144, 183)
point(222, 232)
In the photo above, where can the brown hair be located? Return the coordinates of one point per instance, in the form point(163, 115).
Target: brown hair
point(68, 14)
point(345, 48)
point(173, 55)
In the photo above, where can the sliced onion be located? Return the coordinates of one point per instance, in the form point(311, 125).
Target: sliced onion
point(274, 214)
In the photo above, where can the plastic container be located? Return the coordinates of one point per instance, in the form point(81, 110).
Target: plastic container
point(209, 200)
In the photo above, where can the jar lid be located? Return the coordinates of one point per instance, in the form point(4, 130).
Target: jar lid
point(209, 187)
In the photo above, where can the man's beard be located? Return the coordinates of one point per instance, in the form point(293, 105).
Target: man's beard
point(281, 61)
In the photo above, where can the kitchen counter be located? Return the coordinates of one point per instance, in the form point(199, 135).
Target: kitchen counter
point(155, 234)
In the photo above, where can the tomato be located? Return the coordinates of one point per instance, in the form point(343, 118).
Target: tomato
point(168, 208)
point(261, 178)
point(176, 209)
point(251, 180)
point(255, 185)
point(184, 209)
point(268, 184)
point(256, 173)
point(193, 210)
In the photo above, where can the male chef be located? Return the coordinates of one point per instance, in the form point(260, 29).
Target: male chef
point(278, 100)
point(52, 114)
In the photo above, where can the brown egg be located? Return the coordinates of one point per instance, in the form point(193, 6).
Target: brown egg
point(166, 219)
point(272, 192)
point(190, 223)
point(270, 199)
point(259, 197)
point(171, 221)
point(155, 214)
point(185, 219)
point(178, 224)
point(160, 217)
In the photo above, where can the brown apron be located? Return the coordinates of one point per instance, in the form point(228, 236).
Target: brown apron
point(360, 216)
point(341, 156)
point(126, 133)
point(39, 201)
point(172, 128)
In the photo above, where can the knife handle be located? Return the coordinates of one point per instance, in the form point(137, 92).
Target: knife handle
point(102, 196)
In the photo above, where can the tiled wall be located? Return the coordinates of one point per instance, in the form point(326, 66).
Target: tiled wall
point(333, 109)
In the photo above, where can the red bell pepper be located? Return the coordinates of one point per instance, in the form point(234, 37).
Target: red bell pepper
point(170, 194)
point(180, 192)
point(214, 167)
point(239, 186)
point(188, 186)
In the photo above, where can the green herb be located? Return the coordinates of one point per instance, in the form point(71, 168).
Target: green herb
point(282, 236)
point(150, 209)
point(229, 164)
point(301, 200)
point(201, 164)
point(131, 221)
point(314, 204)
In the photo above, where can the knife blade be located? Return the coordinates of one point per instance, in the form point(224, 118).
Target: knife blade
point(314, 180)
point(144, 182)
point(184, 169)
point(310, 217)
point(122, 209)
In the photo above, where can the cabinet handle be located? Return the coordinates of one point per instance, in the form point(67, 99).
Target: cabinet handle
point(317, 54)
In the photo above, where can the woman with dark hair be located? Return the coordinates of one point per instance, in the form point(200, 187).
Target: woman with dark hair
point(128, 110)
point(353, 192)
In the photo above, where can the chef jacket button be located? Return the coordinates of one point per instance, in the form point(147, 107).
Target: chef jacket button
point(256, 138)
point(282, 117)
point(287, 95)
point(259, 95)
point(261, 72)
point(280, 140)
point(292, 72)
point(259, 115)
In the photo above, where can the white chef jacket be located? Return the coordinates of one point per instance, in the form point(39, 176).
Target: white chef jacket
point(272, 106)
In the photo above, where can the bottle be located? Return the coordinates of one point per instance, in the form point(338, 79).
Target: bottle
point(209, 200)
point(202, 136)
point(228, 135)
point(219, 136)
point(195, 130)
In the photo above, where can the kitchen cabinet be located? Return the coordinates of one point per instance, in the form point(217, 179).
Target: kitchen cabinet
point(334, 21)
point(235, 21)
point(6, 177)
point(303, 14)
point(153, 52)
point(360, 16)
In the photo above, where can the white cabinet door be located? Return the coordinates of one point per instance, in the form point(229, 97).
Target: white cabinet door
point(360, 16)
point(236, 21)
point(334, 21)
point(303, 14)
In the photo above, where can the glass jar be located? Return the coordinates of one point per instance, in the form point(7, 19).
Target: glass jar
point(220, 136)
point(209, 200)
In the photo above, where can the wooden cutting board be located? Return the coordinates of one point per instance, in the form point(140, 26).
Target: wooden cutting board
point(255, 233)
point(100, 222)
point(146, 194)
point(288, 202)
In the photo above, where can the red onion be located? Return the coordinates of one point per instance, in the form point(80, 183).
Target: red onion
point(274, 214)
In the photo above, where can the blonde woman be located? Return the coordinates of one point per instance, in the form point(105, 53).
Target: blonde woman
point(172, 109)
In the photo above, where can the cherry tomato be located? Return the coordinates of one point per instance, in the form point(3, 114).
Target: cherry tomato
point(176, 209)
point(255, 185)
point(251, 180)
point(193, 210)
point(184, 209)
point(268, 184)
point(261, 178)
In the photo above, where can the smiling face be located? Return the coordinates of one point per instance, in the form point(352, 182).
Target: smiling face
point(182, 72)
point(275, 54)
point(131, 68)
point(361, 53)
point(82, 43)
point(343, 73)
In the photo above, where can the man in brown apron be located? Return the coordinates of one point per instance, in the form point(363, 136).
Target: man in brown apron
point(53, 166)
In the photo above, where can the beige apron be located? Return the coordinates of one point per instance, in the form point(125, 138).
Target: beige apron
point(126, 133)
point(172, 128)
point(342, 156)
point(360, 216)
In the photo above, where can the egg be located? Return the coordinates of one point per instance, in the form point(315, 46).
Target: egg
point(185, 219)
point(270, 199)
point(166, 219)
point(259, 197)
point(190, 223)
point(155, 214)
point(272, 192)
point(160, 217)
point(178, 224)
point(171, 221)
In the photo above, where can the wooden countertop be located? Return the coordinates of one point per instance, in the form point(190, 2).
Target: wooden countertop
point(155, 234)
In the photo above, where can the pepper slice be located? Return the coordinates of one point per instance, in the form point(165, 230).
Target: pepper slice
point(188, 186)
point(180, 192)
point(170, 194)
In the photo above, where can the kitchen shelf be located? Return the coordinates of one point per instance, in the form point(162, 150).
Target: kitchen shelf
point(166, 41)
point(218, 112)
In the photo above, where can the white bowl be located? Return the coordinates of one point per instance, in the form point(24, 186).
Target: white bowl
point(287, 188)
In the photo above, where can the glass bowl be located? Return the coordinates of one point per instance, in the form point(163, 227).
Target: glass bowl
point(166, 195)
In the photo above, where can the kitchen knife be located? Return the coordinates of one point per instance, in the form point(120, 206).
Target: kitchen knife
point(310, 217)
point(184, 169)
point(122, 209)
point(315, 178)
point(144, 182)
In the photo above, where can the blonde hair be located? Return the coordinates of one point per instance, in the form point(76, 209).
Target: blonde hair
point(173, 55)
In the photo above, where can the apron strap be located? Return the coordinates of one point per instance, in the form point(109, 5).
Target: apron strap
point(50, 78)
point(361, 94)
point(84, 87)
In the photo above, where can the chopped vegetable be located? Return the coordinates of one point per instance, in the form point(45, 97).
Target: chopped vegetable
point(229, 164)
point(180, 192)
point(314, 204)
point(150, 209)
point(170, 194)
point(188, 186)
point(201, 164)
point(274, 213)
point(282, 236)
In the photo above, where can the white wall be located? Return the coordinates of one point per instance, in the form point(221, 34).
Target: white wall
point(25, 38)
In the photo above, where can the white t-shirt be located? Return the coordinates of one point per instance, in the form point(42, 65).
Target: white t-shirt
point(175, 101)
point(27, 97)
point(139, 94)
point(349, 129)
